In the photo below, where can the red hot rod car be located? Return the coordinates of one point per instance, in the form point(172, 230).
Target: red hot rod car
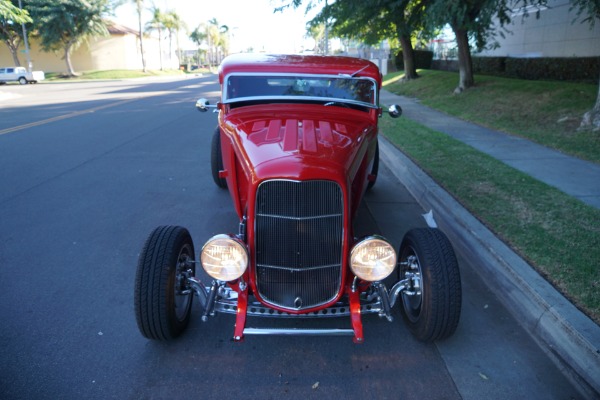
point(296, 147)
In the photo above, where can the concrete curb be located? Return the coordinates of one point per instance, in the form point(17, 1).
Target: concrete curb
point(568, 336)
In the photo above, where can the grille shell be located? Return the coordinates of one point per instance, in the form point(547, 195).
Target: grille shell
point(299, 242)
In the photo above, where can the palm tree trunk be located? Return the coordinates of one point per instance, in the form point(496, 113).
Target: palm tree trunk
point(170, 46)
point(141, 40)
point(178, 48)
point(160, 48)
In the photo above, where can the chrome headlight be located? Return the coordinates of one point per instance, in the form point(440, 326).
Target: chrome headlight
point(224, 257)
point(373, 259)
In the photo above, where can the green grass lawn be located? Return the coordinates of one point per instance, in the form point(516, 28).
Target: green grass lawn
point(547, 112)
point(557, 234)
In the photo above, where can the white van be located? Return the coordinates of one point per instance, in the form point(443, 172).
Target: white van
point(20, 74)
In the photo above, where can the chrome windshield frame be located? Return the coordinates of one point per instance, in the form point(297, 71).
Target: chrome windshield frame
point(373, 105)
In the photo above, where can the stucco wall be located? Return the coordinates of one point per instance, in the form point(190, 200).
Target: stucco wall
point(104, 53)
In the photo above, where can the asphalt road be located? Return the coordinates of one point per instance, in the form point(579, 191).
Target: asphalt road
point(87, 170)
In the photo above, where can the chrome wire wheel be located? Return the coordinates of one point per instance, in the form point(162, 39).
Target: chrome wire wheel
point(431, 302)
point(412, 296)
point(183, 294)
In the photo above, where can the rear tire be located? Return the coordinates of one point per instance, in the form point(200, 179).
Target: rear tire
point(216, 159)
point(22, 81)
point(162, 297)
point(433, 309)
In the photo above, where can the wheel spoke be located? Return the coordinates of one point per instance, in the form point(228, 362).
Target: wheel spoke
point(183, 297)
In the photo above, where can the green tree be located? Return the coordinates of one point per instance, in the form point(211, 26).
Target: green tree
point(590, 11)
point(66, 24)
point(372, 21)
point(10, 11)
point(173, 24)
point(199, 36)
point(217, 39)
point(474, 21)
point(316, 31)
point(11, 31)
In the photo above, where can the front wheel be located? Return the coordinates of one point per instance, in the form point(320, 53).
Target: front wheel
point(162, 296)
point(216, 159)
point(374, 168)
point(431, 304)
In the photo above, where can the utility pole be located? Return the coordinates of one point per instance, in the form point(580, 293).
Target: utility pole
point(27, 55)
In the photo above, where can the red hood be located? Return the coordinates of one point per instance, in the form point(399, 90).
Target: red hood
point(300, 141)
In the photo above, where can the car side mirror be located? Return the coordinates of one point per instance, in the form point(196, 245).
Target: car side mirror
point(395, 111)
point(203, 105)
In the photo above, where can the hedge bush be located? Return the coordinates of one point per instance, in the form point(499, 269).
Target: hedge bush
point(489, 65)
point(581, 69)
point(585, 69)
point(423, 59)
point(559, 69)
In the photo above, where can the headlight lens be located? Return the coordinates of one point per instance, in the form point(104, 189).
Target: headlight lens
point(373, 259)
point(224, 257)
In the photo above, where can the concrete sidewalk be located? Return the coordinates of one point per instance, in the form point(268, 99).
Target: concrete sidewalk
point(569, 337)
point(578, 178)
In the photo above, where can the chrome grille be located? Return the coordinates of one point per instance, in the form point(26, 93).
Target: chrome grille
point(298, 230)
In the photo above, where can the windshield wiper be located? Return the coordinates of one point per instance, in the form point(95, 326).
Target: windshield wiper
point(354, 74)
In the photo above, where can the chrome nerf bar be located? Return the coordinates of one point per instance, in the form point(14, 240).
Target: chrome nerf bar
point(298, 332)
point(220, 298)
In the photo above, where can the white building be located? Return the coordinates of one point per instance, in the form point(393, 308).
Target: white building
point(555, 33)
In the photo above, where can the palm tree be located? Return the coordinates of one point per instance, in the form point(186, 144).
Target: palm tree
point(217, 38)
point(198, 36)
point(157, 24)
point(173, 23)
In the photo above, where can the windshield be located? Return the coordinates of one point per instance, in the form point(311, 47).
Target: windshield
point(304, 87)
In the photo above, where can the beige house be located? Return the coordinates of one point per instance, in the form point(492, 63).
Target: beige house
point(119, 50)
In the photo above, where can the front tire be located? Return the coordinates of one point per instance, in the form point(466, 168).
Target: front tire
point(162, 297)
point(431, 305)
point(374, 168)
point(216, 159)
